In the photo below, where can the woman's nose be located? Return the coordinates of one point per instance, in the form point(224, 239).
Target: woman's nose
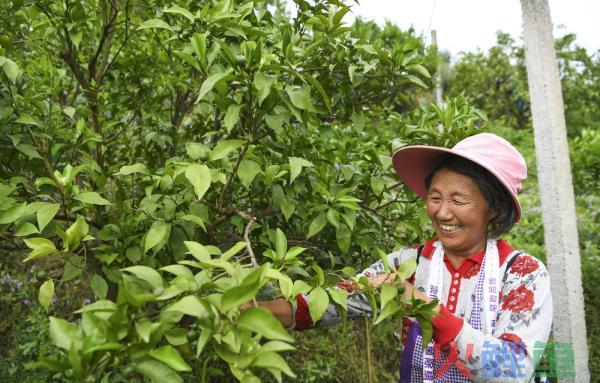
point(444, 211)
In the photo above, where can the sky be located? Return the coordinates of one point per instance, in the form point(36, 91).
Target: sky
point(468, 25)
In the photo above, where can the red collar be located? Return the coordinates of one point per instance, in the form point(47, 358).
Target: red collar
point(504, 250)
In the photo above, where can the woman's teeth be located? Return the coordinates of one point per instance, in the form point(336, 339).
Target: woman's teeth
point(450, 228)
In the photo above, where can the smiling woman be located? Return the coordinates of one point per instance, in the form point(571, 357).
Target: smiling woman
point(494, 311)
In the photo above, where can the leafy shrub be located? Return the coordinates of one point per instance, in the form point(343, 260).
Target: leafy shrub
point(182, 159)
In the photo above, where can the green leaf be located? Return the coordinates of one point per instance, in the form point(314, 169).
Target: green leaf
point(285, 283)
point(320, 274)
point(262, 322)
point(155, 23)
point(210, 83)
point(426, 329)
point(64, 334)
point(272, 360)
point(158, 232)
point(102, 305)
point(407, 269)
point(69, 111)
point(235, 296)
point(233, 250)
point(200, 178)
point(195, 219)
point(317, 303)
point(317, 85)
point(274, 122)
point(296, 165)
point(188, 59)
point(75, 233)
point(131, 169)
point(144, 329)
point(378, 184)
point(28, 150)
point(280, 244)
point(198, 41)
point(294, 252)
point(343, 235)
point(333, 216)
point(340, 297)
point(71, 271)
point(37, 243)
point(300, 287)
point(11, 69)
point(420, 69)
point(300, 97)
point(147, 274)
point(26, 119)
point(181, 11)
point(232, 116)
point(247, 170)
point(92, 198)
point(12, 214)
point(134, 254)
point(45, 214)
point(25, 229)
point(390, 309)
point(41, 247)
point(179, 270)
point(317, 225)
point(205, 336)
point(99, 286)
point(287, 207)
point(190, 305)
point(199, 252)
point(263, 84)
point(46, 293)
point(169, 356)
point(157, 372)
point(388, 292)
point(276, 346)
point(417, 81)
point(223, 148)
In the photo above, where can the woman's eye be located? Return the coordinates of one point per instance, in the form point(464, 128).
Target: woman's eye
point(434, 199)
point(458, 202)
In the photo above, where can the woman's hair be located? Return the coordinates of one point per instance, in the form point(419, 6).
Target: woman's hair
point(492, 190)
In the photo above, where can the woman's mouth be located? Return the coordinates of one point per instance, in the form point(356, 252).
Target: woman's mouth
point(450, 228)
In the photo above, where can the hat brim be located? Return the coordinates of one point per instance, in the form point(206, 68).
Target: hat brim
point(414, 163)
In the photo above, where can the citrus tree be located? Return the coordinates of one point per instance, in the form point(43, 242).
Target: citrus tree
point(181, 159)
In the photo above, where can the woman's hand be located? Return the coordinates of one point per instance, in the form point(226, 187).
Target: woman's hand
point(409, 289)
point(246, 306)
point(280, 308)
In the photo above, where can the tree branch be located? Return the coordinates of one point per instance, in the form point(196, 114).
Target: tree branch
point(116, 135)
point(230, 178)
point(250, 220)
point(394, 201)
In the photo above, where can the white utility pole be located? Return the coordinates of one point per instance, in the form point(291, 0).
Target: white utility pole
point(555, 182)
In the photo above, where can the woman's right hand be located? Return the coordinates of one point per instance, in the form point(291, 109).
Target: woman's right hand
point(280, 308)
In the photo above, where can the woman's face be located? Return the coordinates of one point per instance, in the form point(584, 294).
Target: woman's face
point(459, 213)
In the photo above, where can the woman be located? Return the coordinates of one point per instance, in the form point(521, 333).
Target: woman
point(496, 305)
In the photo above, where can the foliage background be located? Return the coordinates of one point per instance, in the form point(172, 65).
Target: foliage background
point(106, 105)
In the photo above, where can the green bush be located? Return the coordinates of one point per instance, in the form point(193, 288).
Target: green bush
point(178, 160)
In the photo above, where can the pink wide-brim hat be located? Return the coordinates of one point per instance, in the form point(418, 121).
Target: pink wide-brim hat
point(493, 153)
